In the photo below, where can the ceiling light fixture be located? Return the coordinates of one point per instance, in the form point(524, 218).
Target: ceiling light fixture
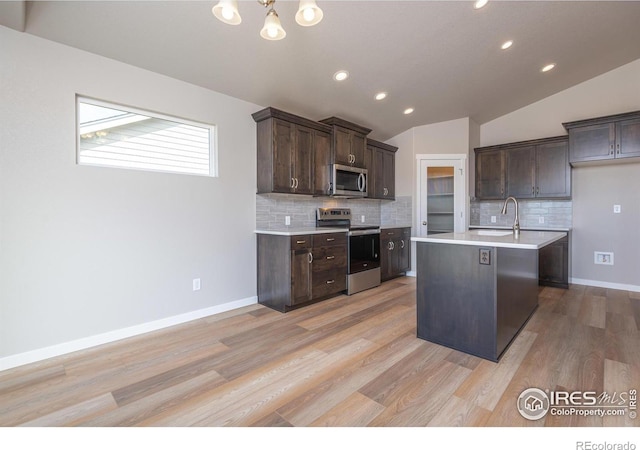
point(381, 95)
point(548, 67)
point(480, 3)
point(408, 111)
point(341, 75)
point(506, 45)
point(308, 15)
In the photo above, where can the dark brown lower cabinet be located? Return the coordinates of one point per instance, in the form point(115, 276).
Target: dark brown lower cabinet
point(395, 252)
point(553, 264)
point(297, 270)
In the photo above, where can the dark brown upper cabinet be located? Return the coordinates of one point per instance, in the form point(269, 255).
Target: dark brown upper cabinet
point(606, 139)
point(529, 169)
point(348, 143)
point(294, 153)
point(380, 163)
point(490, 173)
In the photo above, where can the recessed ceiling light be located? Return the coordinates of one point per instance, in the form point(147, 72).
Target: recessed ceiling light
point(408, 111)
point(341, 75)
point(480, 3)
point(548, 67)
point(506, 45)
point(381, 95)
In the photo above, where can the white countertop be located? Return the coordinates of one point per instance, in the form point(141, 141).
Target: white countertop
point(502, 227)
point(527, 240)
point(289, 231)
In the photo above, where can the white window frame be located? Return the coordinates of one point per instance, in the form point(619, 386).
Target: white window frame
point(213, 136)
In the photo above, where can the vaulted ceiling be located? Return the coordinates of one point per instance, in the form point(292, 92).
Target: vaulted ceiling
point(442, 58)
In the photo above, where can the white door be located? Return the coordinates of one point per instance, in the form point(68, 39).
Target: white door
point(441, 194)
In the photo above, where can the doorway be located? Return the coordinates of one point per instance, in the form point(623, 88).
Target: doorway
point(441, 194)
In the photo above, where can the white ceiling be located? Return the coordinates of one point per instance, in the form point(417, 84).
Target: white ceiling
point(441, 57)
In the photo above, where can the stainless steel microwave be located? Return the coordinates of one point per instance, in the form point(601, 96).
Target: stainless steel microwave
point(347, 181)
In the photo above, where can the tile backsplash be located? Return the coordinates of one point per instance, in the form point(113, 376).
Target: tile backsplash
point(556, 213)
point(271, 210)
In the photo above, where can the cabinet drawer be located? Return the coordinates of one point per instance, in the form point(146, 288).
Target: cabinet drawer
point(329, 258)
point(330, 239)
point(329, 282)
point(390, 234)
point(301, 242)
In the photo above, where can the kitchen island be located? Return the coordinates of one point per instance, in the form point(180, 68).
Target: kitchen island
point(477, 289)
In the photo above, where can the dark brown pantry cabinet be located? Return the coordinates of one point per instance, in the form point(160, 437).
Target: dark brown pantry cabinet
point(530, 169)
point(379, 160)
point(395, 252)
point(293, 153)
point(608, 138)
point(298, 270)
point(348, 141)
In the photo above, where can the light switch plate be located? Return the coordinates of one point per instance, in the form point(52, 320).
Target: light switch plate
point(493, 219)
point(617, 209)
point(485, 256)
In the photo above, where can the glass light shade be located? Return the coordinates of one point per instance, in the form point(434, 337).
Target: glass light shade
point(272, 29)
point(308, 13)
point(227, 11)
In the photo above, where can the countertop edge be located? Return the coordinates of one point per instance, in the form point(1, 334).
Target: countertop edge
point(301, 231)
point(488, 242)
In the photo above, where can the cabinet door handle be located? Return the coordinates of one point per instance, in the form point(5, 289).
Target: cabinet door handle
point(331, 281)
point(293, 183)
point(331, 257)
point(402, 242)
point(533, 190)
point(537, 190)
point(390, 233)
point(611, 152)
point(310, 258)
point(301, 242)
point(331, 239)
point(296, 183)
point(618, 149)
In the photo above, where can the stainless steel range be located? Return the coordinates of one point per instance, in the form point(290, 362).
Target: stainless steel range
point(363, 248)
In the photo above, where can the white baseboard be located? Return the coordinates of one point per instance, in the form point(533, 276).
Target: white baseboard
point(605, 284)
point(411, 273)
point(21, 359)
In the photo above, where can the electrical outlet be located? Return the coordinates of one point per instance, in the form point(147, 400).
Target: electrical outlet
point(605, 258)
point(541, 219)
point(196, 284)
point(617, 209)
point(493, 219)
point(485, 256)
point(362, 219)
point(287, 220)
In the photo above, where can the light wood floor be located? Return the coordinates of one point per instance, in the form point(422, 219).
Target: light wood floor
point(348, 361)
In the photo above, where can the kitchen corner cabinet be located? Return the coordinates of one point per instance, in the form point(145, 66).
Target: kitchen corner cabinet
point(380, 162)
point(293, 154)
point(348, 141)
point(395, 252)
point(297, 270)
point(529, 169)
point(606, 139)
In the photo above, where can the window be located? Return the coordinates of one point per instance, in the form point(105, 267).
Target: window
point(118, 136)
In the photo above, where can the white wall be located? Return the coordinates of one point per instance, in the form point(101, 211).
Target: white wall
point(86, 250)
point(595, 189)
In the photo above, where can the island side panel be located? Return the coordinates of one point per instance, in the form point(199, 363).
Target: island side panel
point(456, 298)
point(517, 271)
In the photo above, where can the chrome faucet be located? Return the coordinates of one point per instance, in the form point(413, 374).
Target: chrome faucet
point(516, 223)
